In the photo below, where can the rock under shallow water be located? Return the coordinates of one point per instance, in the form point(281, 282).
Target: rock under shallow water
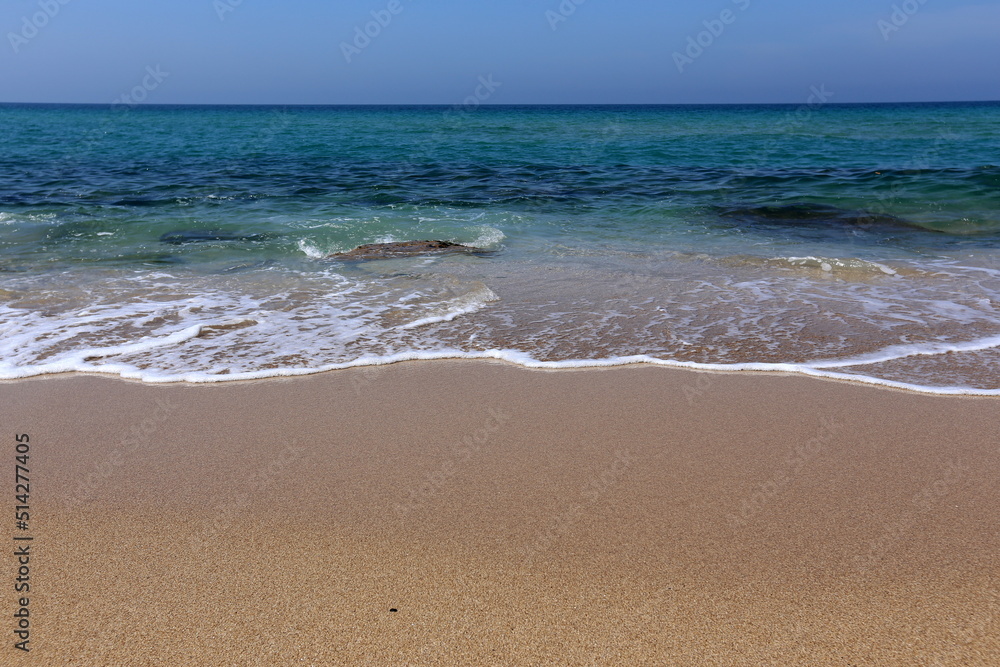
point(407, 249)
point(205, 235)
point(814, 215)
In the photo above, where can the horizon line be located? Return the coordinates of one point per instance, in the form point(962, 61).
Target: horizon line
point(484, 105)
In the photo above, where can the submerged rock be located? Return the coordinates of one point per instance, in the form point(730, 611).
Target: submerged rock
point(204, 235)
point(814, 215)
point(407, 249)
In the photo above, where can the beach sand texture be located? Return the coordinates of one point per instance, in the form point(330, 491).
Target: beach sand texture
point(633, 516)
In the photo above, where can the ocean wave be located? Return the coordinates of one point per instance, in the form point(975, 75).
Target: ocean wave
point(161, 326)
point(513, 356)
point(710, 238)
point(313, 251)
point(845, 268)
point(465, 304)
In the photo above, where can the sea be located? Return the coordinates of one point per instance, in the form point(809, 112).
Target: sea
point(194, 243)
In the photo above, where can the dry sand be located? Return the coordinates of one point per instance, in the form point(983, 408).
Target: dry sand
point(626, 516)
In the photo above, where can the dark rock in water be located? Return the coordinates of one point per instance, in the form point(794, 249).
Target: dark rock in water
point(813, 215)
point(204, 235)
point(407, 249)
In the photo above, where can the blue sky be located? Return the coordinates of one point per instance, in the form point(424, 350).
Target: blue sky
point(532, 51)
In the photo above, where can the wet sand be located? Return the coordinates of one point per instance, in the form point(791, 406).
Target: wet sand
point(509, 517)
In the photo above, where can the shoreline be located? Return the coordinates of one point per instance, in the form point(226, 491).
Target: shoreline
point(642, 516)
point(558, 367)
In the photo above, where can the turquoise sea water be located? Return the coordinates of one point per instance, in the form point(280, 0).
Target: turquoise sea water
point(191, 243)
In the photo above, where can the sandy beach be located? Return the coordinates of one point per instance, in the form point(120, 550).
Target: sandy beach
point(475, 513)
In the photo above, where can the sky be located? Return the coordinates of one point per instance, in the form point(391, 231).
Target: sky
point(498, 51)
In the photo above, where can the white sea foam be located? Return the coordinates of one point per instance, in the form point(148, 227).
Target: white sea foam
point(830, 263)
point(462, 305)
point(162, 327)
point(895, 352)
point(7, 218)
point(311, 250)
point(76, 364)
point(488, 237)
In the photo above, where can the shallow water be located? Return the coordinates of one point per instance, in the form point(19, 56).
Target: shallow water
point(191, 243)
